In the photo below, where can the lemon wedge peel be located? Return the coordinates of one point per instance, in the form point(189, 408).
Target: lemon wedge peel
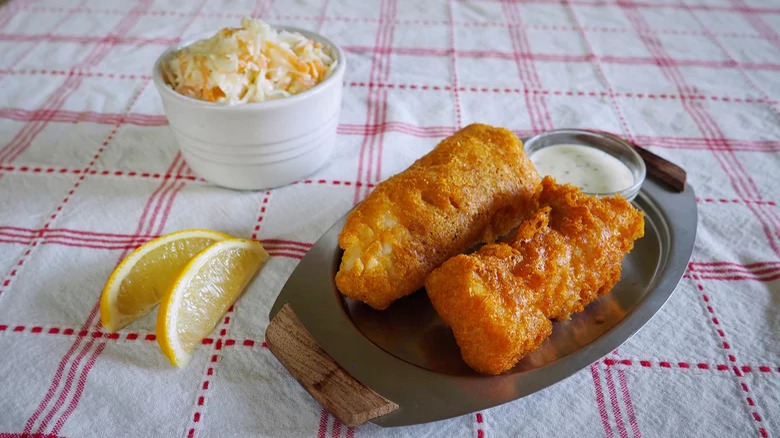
point(113, 297)
point(196, 293)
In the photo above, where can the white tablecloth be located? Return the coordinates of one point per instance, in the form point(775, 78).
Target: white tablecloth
point(89, 170)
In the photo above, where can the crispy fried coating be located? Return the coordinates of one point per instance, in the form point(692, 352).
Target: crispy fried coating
point(500, 299)
point(473, 187)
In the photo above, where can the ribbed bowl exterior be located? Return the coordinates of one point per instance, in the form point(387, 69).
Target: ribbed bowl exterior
point(258, 145)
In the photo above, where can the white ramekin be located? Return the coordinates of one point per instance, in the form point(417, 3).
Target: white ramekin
point(256, 145)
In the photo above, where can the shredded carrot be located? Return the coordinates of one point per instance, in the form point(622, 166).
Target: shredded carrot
point(253, 62)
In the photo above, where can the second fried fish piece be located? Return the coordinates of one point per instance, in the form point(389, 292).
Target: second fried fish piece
point(499, 300)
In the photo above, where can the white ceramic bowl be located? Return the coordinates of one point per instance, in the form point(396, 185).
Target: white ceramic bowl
point(256, 145)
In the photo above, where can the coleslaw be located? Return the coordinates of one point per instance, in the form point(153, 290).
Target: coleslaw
point(252, 63)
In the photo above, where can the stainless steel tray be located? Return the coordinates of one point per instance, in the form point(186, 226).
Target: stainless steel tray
point(407, 354)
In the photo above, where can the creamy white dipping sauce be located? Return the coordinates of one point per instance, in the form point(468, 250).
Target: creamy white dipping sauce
point(590, 169)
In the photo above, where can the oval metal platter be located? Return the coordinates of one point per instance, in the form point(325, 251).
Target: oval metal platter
point(408, 355)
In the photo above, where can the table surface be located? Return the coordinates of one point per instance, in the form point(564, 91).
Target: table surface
point(89, 170)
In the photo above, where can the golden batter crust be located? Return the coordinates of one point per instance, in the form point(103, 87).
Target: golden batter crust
point(500, 299)
point(473, 187)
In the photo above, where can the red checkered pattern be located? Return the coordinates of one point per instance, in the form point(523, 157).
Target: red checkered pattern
point(89, 171)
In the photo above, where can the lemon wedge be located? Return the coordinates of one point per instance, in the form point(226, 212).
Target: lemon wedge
point(139, 282)
point(205, 289)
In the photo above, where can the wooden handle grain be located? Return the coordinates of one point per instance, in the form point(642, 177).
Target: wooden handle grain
point(351, 402)
point(662, 169)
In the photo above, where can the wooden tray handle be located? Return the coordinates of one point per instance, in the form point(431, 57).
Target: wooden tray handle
point(347, 399)
point(662, 169)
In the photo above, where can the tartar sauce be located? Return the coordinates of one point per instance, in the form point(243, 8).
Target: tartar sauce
point(590, 169)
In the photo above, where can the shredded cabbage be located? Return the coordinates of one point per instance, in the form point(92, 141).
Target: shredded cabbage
point(253, 63)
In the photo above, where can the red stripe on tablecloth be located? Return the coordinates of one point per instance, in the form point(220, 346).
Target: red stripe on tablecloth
point(184, 175)
point(615, 404)
point(226, 322)
point(214, 14)
point(49, 234)
point(32, 49)
point(367, 138)
point(629, 404)
point(521, 52)
point(735, 201)
point(66, 388)
point(79, 357)
point(211, 366)
point(336, 428)
point(51, 37)
point(28, 435)
point(164, 203)
point(377, 105)
point(600, 71)
point(407, 22)
point(67, 116)
point(168, 204)
point(260, 11)
point(323, 15)
point(162, 195)
point(85, 239)
point(527, 55)
point(741, 180)
point(742, 71)
point(76, 234)
point(126, 23)
point(731, 271)
point(79, 389)
point(25, 136)
point(757, 272)
point(385, 72)
point(167, 210)
point(772, 37)
point(304, 246)
point(656, 5)
point(454, 65)
point(707, 303)
point(691, 366)
point(735, 277)
point(323, 426)
point(281, 251)
point(106, 246)
point(52, 388)
point(120, 336)
point(374, 103)
point(263, 208)
point(758, 23)
point(741, 265)
point(66, 358)
point(662, 142)
point(375, 148)
point(251, 343)
point(702, 143)
point(21, 114)
point(594, 372)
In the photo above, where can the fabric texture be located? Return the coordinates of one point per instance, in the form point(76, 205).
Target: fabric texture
point(89, 170)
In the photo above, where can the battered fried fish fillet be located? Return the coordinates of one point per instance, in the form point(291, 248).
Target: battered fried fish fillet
point(473, 187)
point(500, 299)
